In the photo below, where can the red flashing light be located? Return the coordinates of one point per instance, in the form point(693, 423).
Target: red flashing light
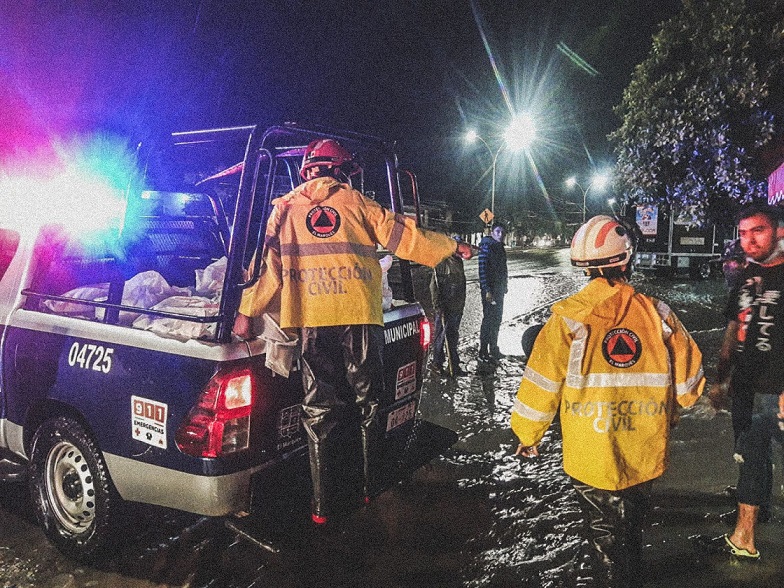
point(424, 334)
point(219, 424)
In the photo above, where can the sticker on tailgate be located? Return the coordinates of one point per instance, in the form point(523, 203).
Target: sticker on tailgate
point(148, 421)
point(289, 429)
point(405, 383)
point(401, 415)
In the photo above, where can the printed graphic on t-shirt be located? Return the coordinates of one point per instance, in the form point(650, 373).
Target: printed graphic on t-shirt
point(323, 221)
point(621, 348)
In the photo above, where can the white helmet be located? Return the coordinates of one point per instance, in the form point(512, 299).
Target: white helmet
point(601, 242)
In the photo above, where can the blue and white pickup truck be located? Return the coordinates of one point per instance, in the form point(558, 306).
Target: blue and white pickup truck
point(120, 379)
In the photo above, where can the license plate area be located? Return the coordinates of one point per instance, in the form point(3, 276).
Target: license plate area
point(401, 415)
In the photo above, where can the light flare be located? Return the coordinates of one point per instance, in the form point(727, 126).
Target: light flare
point(501, 83)
point(81, 186)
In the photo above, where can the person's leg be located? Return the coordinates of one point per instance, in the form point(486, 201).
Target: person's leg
point(742, 409)
point(764, 404)
point(616, 521)
point(363, 349)
point(498, 314)
point(453, 338)
point(439, 337)
point(634, 509)
point(754, 481)
point(743, 534)
point(601, 552)
point(322, 409)
point(485, 330)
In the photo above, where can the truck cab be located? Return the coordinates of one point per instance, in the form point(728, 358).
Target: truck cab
point(120, 378)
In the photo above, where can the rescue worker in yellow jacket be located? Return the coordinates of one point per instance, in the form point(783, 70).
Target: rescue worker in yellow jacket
point(321, 267)
point(616, 364)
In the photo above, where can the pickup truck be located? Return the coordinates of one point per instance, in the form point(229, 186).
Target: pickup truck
point(120, 379)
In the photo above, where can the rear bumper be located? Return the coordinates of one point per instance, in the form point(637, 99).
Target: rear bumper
point(205, 495)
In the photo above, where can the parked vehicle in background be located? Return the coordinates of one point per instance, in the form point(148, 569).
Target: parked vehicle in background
point(120, 379)
point(670, 242)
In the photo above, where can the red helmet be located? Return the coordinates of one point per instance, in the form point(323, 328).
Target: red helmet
point(328, 153)
point(601, 242)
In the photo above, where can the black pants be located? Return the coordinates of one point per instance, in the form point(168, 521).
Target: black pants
point(745, 408)
point(447, 338)
point(616, 521)
point(341, 367)
point(491, 323)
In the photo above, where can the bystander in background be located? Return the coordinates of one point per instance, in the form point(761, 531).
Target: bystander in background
point(448, 294)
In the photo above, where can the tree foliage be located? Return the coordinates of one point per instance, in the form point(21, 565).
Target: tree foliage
point(708, 97)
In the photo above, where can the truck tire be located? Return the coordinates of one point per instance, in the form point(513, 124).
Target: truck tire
point(72, 494)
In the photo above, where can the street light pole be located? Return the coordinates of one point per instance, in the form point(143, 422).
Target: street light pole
point(492, 186)
point(573, 182)
point(519, 135)
point(598, 180)
point(471, 135)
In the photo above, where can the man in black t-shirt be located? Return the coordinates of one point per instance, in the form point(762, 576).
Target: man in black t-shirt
point(752, 354)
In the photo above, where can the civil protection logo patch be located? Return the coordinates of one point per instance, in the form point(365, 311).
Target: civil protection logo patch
point(621, 348)
point(323, 221)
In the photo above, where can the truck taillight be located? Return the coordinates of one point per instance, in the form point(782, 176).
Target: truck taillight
point(424, 334)
point(219, 424)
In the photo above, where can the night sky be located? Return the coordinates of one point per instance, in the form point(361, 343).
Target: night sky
point(416, 71)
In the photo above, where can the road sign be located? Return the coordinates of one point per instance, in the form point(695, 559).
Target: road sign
point(487, 216)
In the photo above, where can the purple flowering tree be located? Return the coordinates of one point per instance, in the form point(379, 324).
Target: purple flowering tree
point(708, 97)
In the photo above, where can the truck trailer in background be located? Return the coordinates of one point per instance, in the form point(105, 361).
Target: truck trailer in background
point(670, 242)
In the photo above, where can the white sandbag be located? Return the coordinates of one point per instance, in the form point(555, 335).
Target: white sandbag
point(145, 290)
point(209, 281)
point(93, 292)
point(179, 328)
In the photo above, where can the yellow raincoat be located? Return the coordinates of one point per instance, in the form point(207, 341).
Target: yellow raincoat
point(616, 363)
point(320, 256)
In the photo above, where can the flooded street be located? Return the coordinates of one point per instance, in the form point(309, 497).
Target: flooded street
point(477, 516)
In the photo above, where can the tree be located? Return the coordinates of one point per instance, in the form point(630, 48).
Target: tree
point(698, 110)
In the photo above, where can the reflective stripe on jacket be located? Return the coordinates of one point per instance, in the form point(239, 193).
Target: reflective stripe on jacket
point(320, 256)
point(616, 363)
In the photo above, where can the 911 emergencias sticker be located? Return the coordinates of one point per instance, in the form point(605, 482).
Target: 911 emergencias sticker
point(405, 383)
point(148, 421)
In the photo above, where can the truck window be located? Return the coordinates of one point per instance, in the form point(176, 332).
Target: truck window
point(9, 243)
point(166, 244)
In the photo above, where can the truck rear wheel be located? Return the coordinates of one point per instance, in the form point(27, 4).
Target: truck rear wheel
point(71, 491)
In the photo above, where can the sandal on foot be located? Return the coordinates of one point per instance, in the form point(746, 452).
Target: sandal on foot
point(740, 551)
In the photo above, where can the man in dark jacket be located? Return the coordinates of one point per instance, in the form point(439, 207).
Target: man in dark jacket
point(492, 281)
point(448, 293)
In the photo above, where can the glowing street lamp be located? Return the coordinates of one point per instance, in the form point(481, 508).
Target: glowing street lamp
point(599, 181)
point(519, 135)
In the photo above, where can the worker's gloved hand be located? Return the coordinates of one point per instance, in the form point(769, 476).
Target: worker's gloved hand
point(243, 326)
point(489, 297)
point(464, 250)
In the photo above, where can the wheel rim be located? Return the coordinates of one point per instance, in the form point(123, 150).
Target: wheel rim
point(69, 487)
